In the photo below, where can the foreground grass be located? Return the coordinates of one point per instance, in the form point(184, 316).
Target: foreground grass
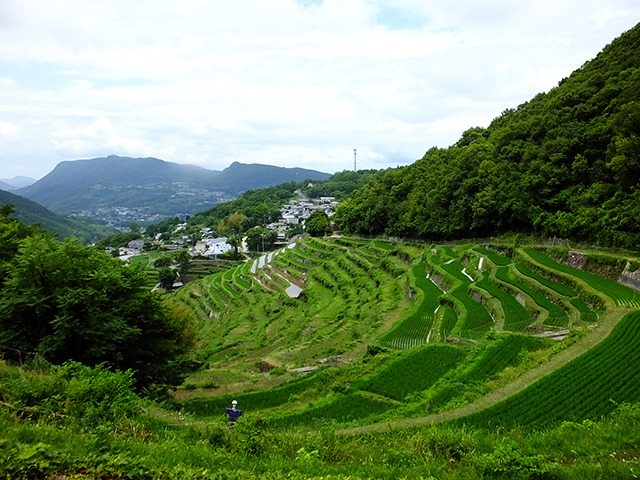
point(76, 422)
point(141, 448)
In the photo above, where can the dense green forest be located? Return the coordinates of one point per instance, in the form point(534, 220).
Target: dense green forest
point(566, 163)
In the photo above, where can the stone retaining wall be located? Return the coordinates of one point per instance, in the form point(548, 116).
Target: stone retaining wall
point(630, 279)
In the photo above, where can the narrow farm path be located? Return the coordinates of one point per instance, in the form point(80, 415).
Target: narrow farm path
point(600, 332)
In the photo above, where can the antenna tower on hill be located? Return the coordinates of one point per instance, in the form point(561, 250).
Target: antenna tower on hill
point(354, 160)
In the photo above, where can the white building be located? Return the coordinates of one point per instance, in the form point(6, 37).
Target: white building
point(216, 246)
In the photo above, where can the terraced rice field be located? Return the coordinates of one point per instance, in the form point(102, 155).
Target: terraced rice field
point(556, 316)
point(348, 289)
point(427, 311)
point(414, 372)
point(516, 318)
point(591, 386)
point(476, 319)
point(416, 329)
point(620, 294)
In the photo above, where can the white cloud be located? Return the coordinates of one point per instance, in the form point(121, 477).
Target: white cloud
point(9, 131)
point(283, 82)
point(97, 138)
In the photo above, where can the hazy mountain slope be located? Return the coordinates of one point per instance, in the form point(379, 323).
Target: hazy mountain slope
point(241, 177)
point(566, 163)
point(16, 182)
point(104, 181)
point(120, 189)
point(32, 213)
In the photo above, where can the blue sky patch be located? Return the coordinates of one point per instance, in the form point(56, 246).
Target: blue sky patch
point(399, 19)
point(309, 3)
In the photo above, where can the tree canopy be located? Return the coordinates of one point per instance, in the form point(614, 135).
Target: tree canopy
point(12, 232)
point(67, 301)
point(260, 239)
point(317, 225)
point(566, 163)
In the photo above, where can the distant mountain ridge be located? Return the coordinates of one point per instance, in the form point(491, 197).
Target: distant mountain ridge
point(118, 190)
point(11, 184)
point(242, 176)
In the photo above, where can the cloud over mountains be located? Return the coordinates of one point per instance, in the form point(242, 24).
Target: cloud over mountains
point(284, 82)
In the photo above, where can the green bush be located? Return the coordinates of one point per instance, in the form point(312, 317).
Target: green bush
point(72, 392)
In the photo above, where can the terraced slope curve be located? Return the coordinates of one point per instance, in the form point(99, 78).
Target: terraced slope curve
point(358, 296)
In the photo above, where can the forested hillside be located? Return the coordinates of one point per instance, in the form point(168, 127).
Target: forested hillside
point(32, 213)
point(566, 163)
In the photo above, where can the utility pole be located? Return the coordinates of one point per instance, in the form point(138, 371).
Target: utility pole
point(354, 160)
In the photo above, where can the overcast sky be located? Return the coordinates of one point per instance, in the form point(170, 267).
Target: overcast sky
point(280, 82)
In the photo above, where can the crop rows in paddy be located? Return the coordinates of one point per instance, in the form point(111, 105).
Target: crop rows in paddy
point(342, 409)
point(501, 354)
point(516, 318)
point(382, 391)
point(511, 290)
point(347, 291)
point(349, 288)
point(589, 387)
point(416, 329)
point(497, 258)
point(484, 365)
point(414, 372)
point(557, 317)
point(533, 283)
point(619, 294)
point(476, 319)
point(586, 314)
point(351, 284)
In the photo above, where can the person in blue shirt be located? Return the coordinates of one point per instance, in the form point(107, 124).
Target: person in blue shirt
point(233, 413)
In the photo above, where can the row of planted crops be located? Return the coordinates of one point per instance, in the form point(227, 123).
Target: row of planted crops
point(459, 318)
point(456, 292)
point(592, 385)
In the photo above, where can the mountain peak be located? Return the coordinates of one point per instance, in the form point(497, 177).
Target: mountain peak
point(150, 189)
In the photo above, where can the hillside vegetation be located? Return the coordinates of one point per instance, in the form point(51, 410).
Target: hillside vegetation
point(32, 213)
point(566, 163)
point(400, 333)
point(260, 207)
